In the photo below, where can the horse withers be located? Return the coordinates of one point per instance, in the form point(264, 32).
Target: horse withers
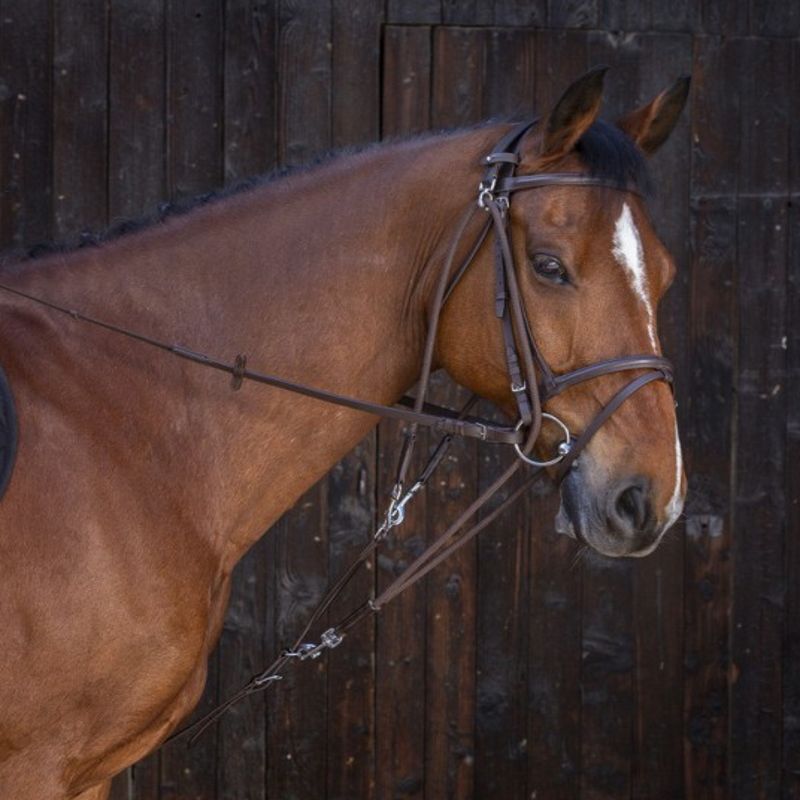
point(141, 480)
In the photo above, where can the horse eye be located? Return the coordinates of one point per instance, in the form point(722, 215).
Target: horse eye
point(550, 268)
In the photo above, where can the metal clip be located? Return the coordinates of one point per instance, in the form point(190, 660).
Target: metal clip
point(519, 387)
point(330, 638)
point(262, 680)
point(486, 193)
point(396, 513)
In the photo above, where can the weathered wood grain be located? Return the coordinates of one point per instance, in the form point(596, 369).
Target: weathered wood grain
point(25, 123)
point(759, 505)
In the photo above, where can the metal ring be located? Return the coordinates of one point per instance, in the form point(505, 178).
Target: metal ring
point(563, 447)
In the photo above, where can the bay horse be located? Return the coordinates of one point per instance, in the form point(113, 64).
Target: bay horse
point(141, 480)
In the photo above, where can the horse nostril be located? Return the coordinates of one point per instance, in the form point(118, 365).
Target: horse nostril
point(630, 509)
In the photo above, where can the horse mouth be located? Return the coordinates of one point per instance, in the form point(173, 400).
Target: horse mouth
point(582, 515)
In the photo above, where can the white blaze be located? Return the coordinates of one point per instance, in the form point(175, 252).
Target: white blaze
point(675, 504)
point(628, 252)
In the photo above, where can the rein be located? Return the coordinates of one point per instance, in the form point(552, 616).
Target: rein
point(532, 384)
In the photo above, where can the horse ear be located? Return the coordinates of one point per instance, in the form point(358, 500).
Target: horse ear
point(650, 125)
point(573, 114)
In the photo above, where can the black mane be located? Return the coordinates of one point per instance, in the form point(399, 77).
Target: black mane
point(607, 152)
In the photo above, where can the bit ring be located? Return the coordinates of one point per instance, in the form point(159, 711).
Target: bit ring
point(563, 447)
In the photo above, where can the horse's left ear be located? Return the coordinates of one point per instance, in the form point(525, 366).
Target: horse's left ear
point(650, 125)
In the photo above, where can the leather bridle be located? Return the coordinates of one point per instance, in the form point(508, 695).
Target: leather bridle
point(532, 384)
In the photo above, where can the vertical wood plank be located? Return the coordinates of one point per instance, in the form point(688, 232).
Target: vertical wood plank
point(719, 17)
point(296, 744)
point(414, 12)
point(136, 157)
point(707, 598)
point(673, 15)
point(351, 724)
point(501, 735)
point(194, 164)
point(790, 784)
point(80, 136)
point(758, 585)
point(304, 73)
point(554, 665)
point(25, 123)
point(356, 71)
point(136, 183)
point(624, 16)
point(400, 647)
point(407, 73)
point(467, 12)
point(520, 13)
point(564, 14)
point(249, 88)
point(194, 96)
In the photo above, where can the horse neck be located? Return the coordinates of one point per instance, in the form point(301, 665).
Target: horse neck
point(323, 278)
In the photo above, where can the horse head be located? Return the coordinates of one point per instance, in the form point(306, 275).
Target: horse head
point(591, 271)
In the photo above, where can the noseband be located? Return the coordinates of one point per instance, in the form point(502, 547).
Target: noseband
point(531, 381)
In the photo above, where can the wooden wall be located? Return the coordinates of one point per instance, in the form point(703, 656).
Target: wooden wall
point(513, 672)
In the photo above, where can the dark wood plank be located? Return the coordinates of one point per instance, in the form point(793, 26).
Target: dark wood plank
point(458, 66)
point(296, 736)
point(758, 580)
point(574, 14)
point(356, 71)
point(510, 73)
point(406, 80)
point(501, 735)
point(241, 767)
point(790, 785)
point(707, 598)
point(351, 709)
point(80, 92)
point(400, 647)
point(194, 165)
point(467, 12)
point(624, 16)
point(249, 90)
point(520, 13)
point(25, 130)
point(715, 116)
point(774, 18)
point(194, 96)
point(673, 15)
point(658, 579)
point(554, 654)
point(136, 157)
point(708, 523)
point(720, 17)
point(304, 74)
point(414, 12)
